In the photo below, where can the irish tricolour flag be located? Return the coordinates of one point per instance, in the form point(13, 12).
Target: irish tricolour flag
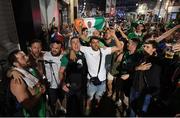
point(96, 22)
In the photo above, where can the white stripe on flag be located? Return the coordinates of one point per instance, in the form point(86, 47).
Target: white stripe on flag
point(92, 20)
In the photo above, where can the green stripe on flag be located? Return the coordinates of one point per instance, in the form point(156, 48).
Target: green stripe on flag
point(99, 23)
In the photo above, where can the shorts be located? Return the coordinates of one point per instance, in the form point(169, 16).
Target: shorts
point(98, 90)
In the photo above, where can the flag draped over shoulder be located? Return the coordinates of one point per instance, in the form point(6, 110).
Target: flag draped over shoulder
point(97, 22)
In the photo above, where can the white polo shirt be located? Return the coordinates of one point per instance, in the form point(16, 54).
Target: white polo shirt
point(93, 59)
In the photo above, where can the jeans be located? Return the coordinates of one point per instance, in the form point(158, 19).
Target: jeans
point(145, 101)
point(133, 95)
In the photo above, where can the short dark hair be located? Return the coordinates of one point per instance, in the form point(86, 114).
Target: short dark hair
point(94, 37)
point(153, 43)
point(149, 35)
point(12, 57)
point(139, 24)
point(83, 29)
point(74, 37)
point(136, 40)
point(57, 42)
point(35, 41)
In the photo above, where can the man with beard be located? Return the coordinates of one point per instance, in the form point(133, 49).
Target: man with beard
point(35, 55)
point(35, 59)
point(28, 91)
point(52, 66)
point(95, 58)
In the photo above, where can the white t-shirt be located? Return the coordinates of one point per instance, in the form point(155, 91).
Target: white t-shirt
point(93, 59)
point(56, 63)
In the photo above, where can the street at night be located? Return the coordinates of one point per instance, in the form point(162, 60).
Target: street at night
point(90, 58)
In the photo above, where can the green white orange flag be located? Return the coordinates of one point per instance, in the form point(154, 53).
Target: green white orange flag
point(97, 22)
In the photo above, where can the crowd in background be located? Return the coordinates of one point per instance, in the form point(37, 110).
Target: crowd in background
point(136, 64)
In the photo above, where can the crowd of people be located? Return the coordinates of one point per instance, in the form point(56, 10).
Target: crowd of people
point(136, 65)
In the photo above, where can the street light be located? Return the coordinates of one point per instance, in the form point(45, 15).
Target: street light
point(161, 1)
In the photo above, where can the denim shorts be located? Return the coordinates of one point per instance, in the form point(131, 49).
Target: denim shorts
point(95, 90)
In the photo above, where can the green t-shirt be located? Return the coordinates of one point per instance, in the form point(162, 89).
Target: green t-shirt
point(38, 111)
point(134, 35)
point(64, 61)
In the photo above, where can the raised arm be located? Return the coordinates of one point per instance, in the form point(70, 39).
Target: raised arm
point(122, 33)
point(119, 44)
point(167, 33)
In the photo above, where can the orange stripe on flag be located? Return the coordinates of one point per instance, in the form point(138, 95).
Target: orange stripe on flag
point(79, 24)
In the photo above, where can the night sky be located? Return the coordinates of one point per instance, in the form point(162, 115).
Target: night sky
point(102, 3)
point(129, 4)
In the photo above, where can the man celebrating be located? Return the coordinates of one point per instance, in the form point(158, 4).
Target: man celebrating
point(28, 91)
point(74, 83)
point(52, 66)
point(95, 58)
